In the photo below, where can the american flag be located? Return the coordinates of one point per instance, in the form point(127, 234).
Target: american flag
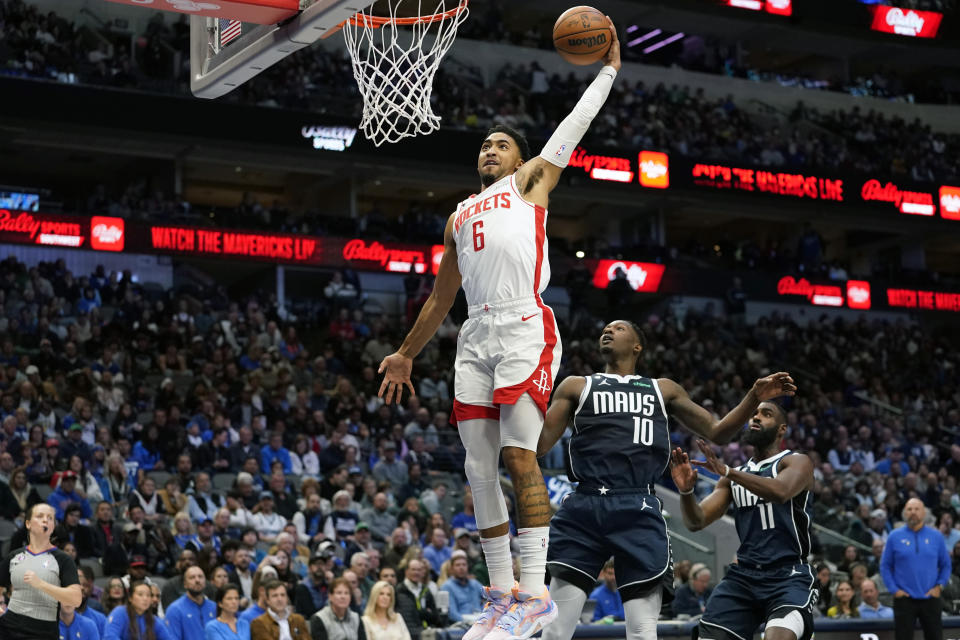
point(229, 29)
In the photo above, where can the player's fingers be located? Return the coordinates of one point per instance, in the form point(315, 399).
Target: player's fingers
point(410, 386)
point(383, 387)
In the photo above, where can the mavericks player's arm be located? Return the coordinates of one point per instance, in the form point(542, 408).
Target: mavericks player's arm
point(699, 420)
point(697, 515)
point(444, 293)
point(795, 474)
point(562, 406)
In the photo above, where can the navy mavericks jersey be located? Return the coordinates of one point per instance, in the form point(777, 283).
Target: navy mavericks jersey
point(621, 435)
point(771, 533)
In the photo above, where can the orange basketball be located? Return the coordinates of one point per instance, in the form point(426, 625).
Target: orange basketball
point(581, 35)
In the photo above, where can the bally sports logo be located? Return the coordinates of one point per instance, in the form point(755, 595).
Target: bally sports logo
point(106, 234)
point(906, 22)
point(950, 203)
point(914, 202)
point(858, 294)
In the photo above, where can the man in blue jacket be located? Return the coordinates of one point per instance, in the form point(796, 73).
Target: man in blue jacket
point(275, 451)
point(66, 494)
point(73, 626)
point(915, 567)
point(190, 613)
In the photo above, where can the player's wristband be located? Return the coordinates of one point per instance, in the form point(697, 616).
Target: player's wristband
point(686, 493)
point(727, 472)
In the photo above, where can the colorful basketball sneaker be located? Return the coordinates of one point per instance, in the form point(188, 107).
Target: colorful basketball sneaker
point(528, 615)
point(498, 603)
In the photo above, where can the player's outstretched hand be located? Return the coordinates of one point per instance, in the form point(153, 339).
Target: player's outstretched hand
point(613, 53)
point(712, 462)
point(396, 370)
point(682, 472)
point(774, 385)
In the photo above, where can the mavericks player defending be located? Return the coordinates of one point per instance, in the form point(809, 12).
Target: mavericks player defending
point(619, 449)
point(508, 351)
point(771, 581)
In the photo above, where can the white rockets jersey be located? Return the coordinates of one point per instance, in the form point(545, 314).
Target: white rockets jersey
point(501, 245)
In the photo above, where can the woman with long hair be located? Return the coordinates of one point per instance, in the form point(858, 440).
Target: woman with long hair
point(173, 500)
point(845, 607)
point(117, 482)
point(38, 578)
point(18, 496)
point(183, 531)
point(136, 621)
point(115, 595)
point(86, 484)
point(227, 626)
point(380, 619)
point(146, 496)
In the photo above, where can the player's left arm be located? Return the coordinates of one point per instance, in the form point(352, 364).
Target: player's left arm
point(700, 421)
point(538, 177)
point(795, 474)
point(562, 405)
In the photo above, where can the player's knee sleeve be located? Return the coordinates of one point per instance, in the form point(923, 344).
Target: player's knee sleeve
point(481, 439)
point(569, 599)
point(642, 615)
point(792, 621)
point(521, 424)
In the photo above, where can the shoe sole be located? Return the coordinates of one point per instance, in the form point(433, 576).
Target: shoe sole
point(539, 623)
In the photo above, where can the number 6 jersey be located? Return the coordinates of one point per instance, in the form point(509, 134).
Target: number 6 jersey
point(501, 245)
point(621, 433)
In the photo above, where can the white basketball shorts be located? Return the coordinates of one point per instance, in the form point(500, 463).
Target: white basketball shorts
point(505, 349)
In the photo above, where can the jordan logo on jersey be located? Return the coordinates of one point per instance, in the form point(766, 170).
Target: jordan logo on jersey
point(543, 382)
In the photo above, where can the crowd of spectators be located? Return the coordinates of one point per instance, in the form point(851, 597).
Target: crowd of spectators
point(677, 119)
point(190, 428)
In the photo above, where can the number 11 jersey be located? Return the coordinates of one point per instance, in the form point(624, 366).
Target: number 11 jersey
point(501, 245)
point(621, 433)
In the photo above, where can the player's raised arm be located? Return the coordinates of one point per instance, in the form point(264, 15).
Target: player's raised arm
point(562, 406)
point(795, 474)
point(398, 366)
point(702, 422)
point(537, 178)
point(697, 515)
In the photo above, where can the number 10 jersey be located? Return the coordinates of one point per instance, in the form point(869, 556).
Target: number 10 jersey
point(621, 433)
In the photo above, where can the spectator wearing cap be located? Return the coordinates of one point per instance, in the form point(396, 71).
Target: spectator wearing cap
point(205, 537)
point(116, 560)
point(438, 551)
point(268, 523)
point(379, 518)
point(312, 593)
point(136, 572)
point(388, 468)
point(74, 444)
point(67, 494)
point(204, 503)
point(341, 522)
point(463, 540)
point(878, 525)
point(915, 568)
point(274, 450)
point(361, 542)
point(188, 615)
point(466, 594)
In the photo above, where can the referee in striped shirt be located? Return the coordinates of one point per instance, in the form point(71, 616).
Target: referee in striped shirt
point(37, 578)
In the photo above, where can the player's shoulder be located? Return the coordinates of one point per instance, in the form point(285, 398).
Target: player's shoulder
point(572, 385)
point(794, 457)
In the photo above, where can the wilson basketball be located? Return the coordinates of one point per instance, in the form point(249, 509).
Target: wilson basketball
point(581, 35)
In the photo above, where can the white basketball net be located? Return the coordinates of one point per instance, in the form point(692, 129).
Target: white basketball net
point(394, 66)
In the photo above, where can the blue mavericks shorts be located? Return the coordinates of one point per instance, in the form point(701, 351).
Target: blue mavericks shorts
point(747, 598)
point(589, 528)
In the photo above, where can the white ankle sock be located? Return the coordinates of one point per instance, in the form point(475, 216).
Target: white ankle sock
point(533, 558)
point(499, 562)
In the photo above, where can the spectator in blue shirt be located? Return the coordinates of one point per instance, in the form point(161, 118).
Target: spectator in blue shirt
point(275, 451)
point(871, 607)
point(606, 595)
point(894, 457)
point(138, 610)
point(190, 613)
point(438, 551)
point(74, 626)
point(466, 519)
point(66, 494)
point(227, 625)
point(466, 594)
point(915, 567)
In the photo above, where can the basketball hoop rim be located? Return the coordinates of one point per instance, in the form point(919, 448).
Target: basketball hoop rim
point(375, 22)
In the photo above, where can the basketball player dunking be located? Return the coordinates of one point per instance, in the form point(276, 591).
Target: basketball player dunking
point(508, 352)
point(620, 447)
point(771, 581)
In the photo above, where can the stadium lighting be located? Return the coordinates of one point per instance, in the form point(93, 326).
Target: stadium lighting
point(645, 37)
point(664, 42)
